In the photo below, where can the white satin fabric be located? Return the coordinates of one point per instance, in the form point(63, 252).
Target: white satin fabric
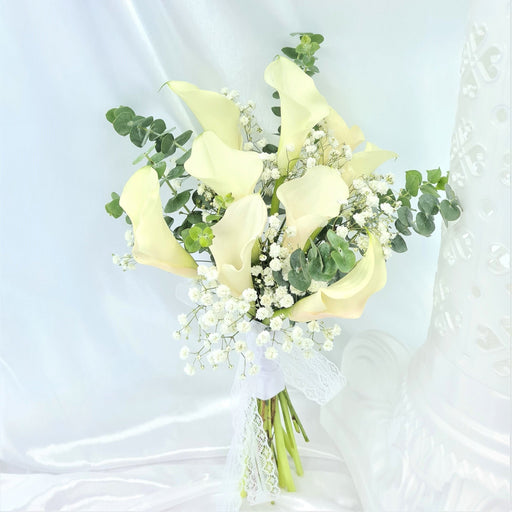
point(96, 413)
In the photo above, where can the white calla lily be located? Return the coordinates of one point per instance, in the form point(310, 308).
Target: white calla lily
point(154, 243)
point(234, 238)
point(365, 162)
point(311, 201)
point(222, 168)
point(339, 129)
point(302, 107)
point(347, 297)
point(214, 111)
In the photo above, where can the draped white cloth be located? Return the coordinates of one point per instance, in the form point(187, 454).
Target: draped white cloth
point(96, 413)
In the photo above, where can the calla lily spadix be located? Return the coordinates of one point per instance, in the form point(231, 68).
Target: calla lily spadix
point(347, 297)
point(365, 162)
point(222, 168)
point(311, 201)
point(234, 237)
point(154, 243)
point(214, 111)
point(302, 107)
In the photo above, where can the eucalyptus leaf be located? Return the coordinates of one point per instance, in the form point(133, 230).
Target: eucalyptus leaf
point(269, 148)
point(412, 182)
point(138, 135)
point(428, 204)
point(434, 175)
point(184, 137)
point(177, 172)
point(176, 202)
point(167, 144)
point(159, 168)
point(405, 216)
point(424, 224)
point(428, 188)
point(345, 260)
point(290, 52)
point(441, 184)
point(113, 208)
point(299, 280)
point(157, 128)
point(298, 260)
point(183, 158)
point(111, 115)
point(449, 211)
point(398, 244)
point(402, 228)
point(122, 124)
point(276, 111)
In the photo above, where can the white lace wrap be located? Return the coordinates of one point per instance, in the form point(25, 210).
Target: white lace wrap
point(250, 463)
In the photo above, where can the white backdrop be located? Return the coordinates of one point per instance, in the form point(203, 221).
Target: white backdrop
point(89, 370)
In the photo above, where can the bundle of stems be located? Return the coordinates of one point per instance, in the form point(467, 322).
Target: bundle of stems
point(279, 422)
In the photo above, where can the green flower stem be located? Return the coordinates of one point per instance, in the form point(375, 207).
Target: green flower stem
point(295, 417)
point(274, 204)
point(285, 475)
point(279, 418)
point(294, 452)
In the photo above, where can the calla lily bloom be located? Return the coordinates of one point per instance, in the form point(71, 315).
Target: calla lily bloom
point(222, 168)
point(339, 129)
point(365, 162)
point(213, 111)
point(234, 237)
point(346, 298)
point(154, 243)
point(302, 107)
point(311, 201)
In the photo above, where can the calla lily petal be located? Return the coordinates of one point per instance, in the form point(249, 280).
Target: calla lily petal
point(213, 111)
point(154, 243)
point(365, 162)
point(234, 238)
point(346, 298)
point(222, 168)
point(302, 106)
point(310, 201)
point(341, 132)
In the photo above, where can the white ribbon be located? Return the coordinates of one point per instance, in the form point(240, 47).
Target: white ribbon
point(250, 460)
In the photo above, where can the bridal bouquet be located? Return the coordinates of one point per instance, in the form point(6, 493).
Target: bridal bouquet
point(277, 233)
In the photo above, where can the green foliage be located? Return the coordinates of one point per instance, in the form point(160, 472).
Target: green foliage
point(405, 216)
point(449, 210)
point(304, 53)
point(434, 175)
point(398, 244)
point(412, 182)
point(299, 276)
point(429, 203)
point(113, 208)
point(424, 224)
point(176, 202)
point(200, 233)
point(269, 148)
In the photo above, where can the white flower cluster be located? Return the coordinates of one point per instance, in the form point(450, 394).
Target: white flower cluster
point(369, 208)
point(126, 261)
point(222, 324)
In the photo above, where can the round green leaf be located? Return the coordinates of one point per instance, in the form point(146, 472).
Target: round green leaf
point(424, 224)
point(122, 123)
point(428, 204)
point(176, 202)
point(398, 244)
point(449, 211)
